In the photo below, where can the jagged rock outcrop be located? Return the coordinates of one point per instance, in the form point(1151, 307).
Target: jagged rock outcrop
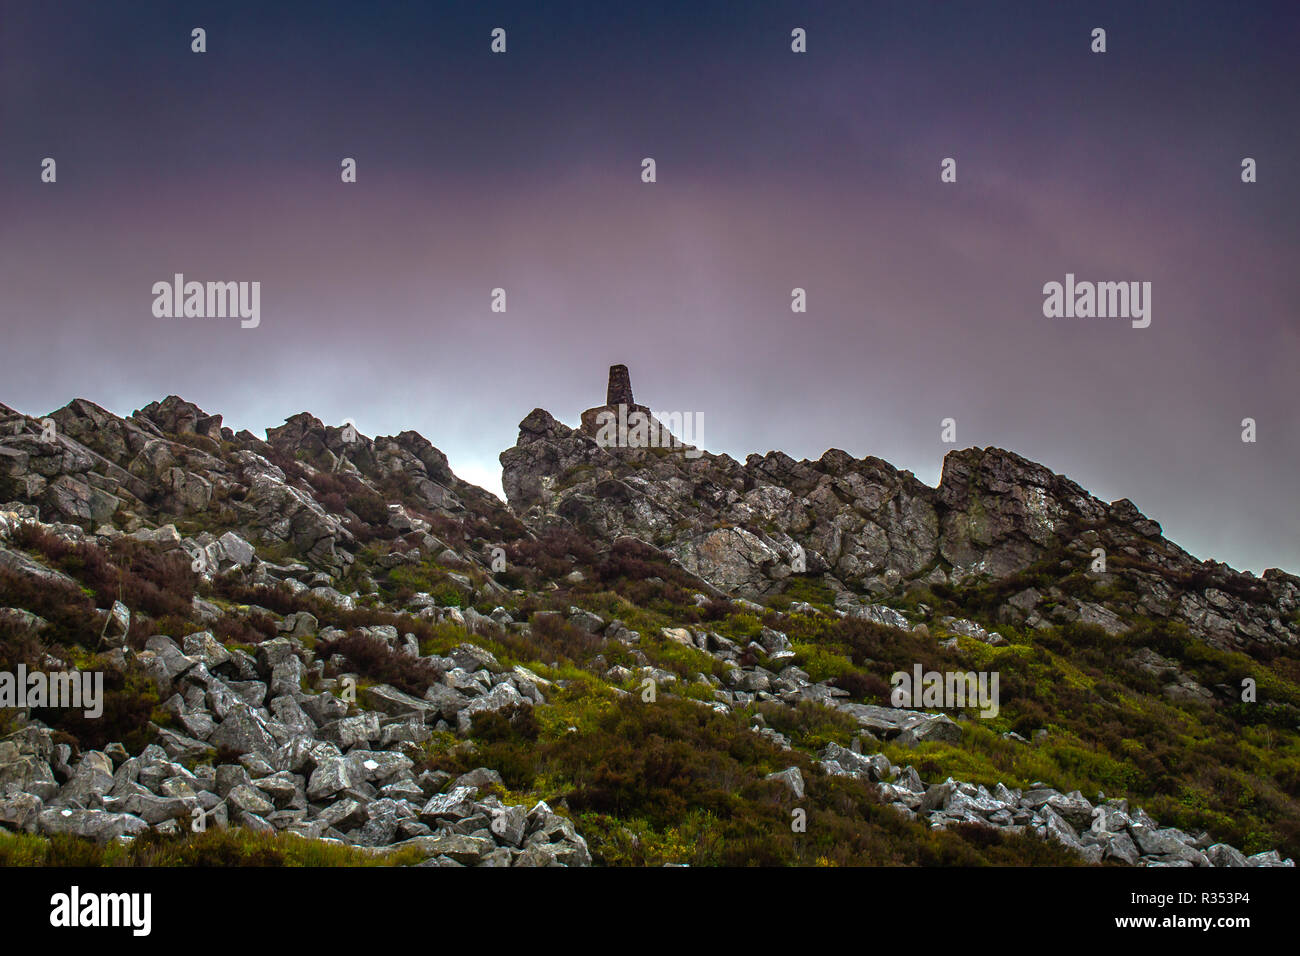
point(171, 462)
point(863, 526)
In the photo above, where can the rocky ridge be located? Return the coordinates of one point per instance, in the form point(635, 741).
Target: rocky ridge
point(262, 731)
point(867, 527)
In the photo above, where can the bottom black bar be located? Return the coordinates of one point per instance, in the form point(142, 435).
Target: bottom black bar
point(151, 906)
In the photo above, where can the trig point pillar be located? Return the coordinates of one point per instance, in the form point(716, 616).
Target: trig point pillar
point(620, 387)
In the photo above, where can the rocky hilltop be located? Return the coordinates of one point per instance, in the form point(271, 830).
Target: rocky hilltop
point(865, 527)
point(652, 655)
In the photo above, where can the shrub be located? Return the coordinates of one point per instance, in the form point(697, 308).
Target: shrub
point(373, 658)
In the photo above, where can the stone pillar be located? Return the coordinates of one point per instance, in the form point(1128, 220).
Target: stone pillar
point(620, 387)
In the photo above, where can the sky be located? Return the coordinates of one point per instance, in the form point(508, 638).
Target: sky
point(775, 170)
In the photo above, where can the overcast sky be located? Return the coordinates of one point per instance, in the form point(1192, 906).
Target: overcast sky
point(775, 170)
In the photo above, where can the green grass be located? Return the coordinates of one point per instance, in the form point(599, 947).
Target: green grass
point(215, 847)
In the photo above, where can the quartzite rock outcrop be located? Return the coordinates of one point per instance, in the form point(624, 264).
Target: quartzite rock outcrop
point(171, 463)
point(863, 526)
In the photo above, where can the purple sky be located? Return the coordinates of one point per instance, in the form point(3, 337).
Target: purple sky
point(775, 170)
